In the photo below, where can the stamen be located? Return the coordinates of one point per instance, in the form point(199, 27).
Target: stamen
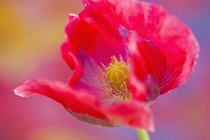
point(115, 78)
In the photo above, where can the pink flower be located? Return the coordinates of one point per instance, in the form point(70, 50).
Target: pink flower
point(124, 54)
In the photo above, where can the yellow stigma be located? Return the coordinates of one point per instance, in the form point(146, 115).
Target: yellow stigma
point(117, 73)
point(115, 78)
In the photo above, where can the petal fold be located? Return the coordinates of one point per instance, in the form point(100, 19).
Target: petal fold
point(147, 68)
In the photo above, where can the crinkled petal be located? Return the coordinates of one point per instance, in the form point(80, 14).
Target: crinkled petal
point(180, 48)
point(142, 17)
point(82, 35)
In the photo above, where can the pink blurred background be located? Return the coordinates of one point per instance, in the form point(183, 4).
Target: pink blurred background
point(31, 33)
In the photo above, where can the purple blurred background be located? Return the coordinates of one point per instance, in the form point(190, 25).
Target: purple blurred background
point(31, 33)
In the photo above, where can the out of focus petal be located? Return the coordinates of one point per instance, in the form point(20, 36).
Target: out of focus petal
point(133, 114)
point(76, 102)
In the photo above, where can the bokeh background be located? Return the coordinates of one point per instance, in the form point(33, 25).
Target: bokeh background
point(31, 33)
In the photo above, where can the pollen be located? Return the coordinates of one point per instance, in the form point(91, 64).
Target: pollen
point(115, 78)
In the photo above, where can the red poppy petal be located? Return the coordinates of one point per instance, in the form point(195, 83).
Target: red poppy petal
point(98, 14)
point(80, 103)
point(85, 36)
point(86, 118)
point(133, 114)
point(142, 17)
point(73, 63)
point(87, 108)
point(147, 68)
point(180, 48)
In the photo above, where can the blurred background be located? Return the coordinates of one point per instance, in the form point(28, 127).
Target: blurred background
point(31, 33)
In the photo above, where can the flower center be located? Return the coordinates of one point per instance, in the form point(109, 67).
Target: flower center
point(115, 78)
point(117, 73)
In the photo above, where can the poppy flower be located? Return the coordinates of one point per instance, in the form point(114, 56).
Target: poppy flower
point(124, 54)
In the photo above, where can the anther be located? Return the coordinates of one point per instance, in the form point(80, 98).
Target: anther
point(115, 78)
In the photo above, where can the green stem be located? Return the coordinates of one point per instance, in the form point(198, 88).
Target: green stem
point(143, 134)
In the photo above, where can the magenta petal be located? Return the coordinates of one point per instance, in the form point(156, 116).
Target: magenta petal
point(180, 48)
point(83, 35)
point(147, 68)
point(133, 114)
point(73, 63)
point(79, 102)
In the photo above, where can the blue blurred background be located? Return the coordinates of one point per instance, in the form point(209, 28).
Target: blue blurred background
point(30, 36)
